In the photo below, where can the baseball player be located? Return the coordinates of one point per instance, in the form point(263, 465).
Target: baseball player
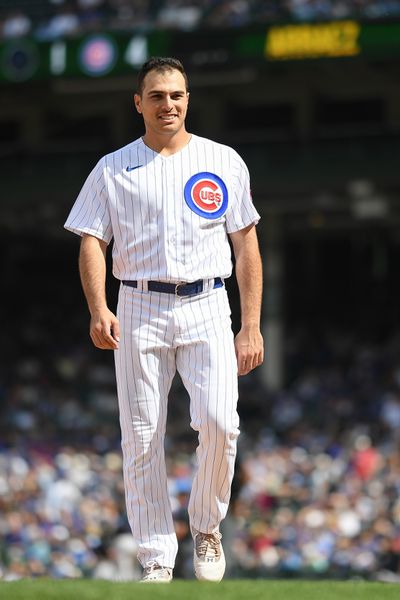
point(170, 200)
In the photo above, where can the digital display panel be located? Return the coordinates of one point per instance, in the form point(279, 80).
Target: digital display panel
point(107, 54)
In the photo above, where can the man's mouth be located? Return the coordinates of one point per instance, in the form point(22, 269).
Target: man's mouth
point(168, 118)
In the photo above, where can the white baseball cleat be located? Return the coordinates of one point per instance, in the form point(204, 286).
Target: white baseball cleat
point(208, 559)
point(154, 573)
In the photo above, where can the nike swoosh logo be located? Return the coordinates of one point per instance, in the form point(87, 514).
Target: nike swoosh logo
point(133, 168)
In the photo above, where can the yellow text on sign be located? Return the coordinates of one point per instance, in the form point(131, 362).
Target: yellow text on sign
point(317, 40)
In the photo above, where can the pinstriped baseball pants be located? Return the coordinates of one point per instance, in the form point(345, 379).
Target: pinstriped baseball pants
point(161, 333)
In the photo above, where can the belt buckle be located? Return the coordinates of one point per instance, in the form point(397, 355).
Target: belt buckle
point(177, 286)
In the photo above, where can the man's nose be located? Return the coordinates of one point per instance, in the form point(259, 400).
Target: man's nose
point(168, 103)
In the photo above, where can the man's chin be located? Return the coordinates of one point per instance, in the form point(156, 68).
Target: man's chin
point(170, 129)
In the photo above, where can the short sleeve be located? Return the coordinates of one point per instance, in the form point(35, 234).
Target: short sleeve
point(90, 213)
point(241, 212)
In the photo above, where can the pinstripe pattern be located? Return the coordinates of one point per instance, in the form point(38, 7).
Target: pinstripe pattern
point(145, 211)
point(158, 235)
point(206, 341)
point(144, 369)
point(159, 334)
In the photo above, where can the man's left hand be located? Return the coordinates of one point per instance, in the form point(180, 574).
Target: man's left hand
point(249, 347)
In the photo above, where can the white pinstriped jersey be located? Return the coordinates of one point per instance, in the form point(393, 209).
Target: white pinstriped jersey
point(169, 215)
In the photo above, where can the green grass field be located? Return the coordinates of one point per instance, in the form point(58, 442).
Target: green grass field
point(45, 589)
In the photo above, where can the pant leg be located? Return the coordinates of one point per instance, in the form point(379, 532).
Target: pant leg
point(206, 361)
point(145, 366)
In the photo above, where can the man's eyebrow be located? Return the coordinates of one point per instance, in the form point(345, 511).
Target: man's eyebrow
point(163, 92)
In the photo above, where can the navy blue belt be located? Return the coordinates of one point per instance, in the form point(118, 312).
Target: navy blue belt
point(179, 289)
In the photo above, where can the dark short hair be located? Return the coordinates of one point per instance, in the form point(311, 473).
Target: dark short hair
point(160, 64)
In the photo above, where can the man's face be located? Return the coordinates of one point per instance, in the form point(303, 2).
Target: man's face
point(163, 102)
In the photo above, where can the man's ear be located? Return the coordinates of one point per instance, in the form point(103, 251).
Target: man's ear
point(138, 103)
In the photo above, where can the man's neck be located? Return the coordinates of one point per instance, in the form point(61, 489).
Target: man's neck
point(167, 145)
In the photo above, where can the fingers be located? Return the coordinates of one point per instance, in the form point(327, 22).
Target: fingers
point(105, 333)
point(248, 362)
point(249, 351)
point(115, 330)
point(103, 339)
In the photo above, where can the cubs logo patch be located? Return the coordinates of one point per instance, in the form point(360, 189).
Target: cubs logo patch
point(206, 195)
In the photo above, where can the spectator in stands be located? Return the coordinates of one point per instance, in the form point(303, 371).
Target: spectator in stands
point(55, 19)
point(63, 23)
point(16, 24)
point(179, 14)
point(126, 15)
point(317, 491)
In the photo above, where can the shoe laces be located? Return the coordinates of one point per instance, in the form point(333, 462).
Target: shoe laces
point(153, 566)
point(208, 545)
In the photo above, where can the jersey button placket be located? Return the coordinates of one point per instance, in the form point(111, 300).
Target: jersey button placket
point(165, 212)
point(172, 233)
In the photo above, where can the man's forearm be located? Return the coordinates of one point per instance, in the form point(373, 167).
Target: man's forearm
point(104, 326)
point(249, 278)
point(248, 342)
point(92, 269)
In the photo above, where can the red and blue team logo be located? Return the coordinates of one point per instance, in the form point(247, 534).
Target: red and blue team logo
point(206, 195)
point(98, 55)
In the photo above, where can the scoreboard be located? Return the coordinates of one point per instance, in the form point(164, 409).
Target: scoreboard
point(104, 54)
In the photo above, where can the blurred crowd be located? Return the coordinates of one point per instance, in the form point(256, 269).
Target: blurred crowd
point(317, 485)
point(54, 19)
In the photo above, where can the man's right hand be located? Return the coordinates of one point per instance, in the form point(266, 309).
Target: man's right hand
point(104, 330)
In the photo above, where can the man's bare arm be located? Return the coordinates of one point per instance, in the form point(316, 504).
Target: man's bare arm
point(104, 325)
point(248, 342)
